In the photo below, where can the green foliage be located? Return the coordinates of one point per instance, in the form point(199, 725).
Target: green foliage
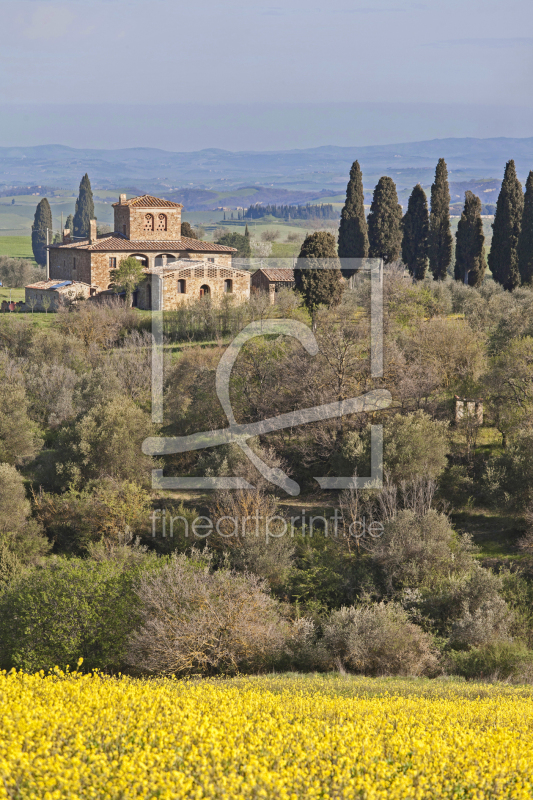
point(19, 436)
point(415, 445)
point(106, 510)
point(525, 240)
point(315, 211)
point(503, 256)
point(42, 221)
point(470, 262)
point(317, 274)
point(495, 661)
point(420, 551)
point(384, 222)
point(69, 224)
point(18, 272)
point(353, 230)
point(415, 226)
point(106, 443)
point(187, 231)
point(440, 236)
point(128, 276)
point(50, 617)
point(379, 640)
point(84, 209)
point(239, 241)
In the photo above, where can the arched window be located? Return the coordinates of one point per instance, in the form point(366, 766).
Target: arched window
point(204, 290)
point(161, 222)
point(228, 286)
point(182, 286)
point(149, 222)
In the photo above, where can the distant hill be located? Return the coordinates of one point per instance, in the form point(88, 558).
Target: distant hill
point(217, 171)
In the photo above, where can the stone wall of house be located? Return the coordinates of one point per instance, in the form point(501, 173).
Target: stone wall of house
point(213, 276)
point(70, 265)
point(56, 298)
point(122, 220)
point(148, 224)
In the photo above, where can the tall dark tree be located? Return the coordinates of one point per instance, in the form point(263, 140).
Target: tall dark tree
point(69, 224)
point(415, 227)
point(503, 256)
point(84, 208)
point(470, 262)
point(187, 231)
point(525, 241)
point(384, 222)
point(440, 235)
point(42, 221)
point(353, 230)
point(317, 274)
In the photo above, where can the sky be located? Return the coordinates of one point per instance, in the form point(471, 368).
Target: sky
point(456, 67)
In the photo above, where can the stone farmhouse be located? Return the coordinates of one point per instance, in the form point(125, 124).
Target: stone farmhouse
point(149, 229)
point(50, 295)
point(272, 280)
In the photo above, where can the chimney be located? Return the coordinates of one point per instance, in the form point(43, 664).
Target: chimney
point(92, 231)
point(122, 199)
point(66, 236)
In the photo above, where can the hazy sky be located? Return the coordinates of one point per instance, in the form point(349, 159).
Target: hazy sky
point(298, 51)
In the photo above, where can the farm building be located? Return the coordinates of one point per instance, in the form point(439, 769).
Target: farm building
point(272, 280)
point(49, 295)
point(149, 229)
point(186, 279)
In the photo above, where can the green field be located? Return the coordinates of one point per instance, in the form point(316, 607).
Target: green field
point(16, 247)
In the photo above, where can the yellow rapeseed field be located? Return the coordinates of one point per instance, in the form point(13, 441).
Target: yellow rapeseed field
point(288, 737)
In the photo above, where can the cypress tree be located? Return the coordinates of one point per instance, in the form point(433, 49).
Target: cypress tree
point(440, 235)
point(69, 224)
point(317, 274)
point(353, 230)
point(503, 256)
point(470, 263)
point(41, 221)
point(384, 222)
point(84, 209)
point(525, 241)
point(415, 226)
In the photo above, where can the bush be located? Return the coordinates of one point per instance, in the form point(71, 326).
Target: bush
point(379, 640)
point(195, 620)
point(496, 661)
point(490, 622)
point(18, 272)
point(415, 446)
point(70, 608)
point(417, 552)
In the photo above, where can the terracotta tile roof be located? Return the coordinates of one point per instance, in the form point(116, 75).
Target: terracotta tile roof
point(274, 274)
point(116, 243)
point(148, 201)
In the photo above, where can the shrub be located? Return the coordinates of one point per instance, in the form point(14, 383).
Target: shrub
point(195, 620)
point(379, 640)
point(106, 510)
point(70, 608)
point(490, 622)
point(420, 551)
point(496, 661)
point(18, 272)
point(415, 446)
